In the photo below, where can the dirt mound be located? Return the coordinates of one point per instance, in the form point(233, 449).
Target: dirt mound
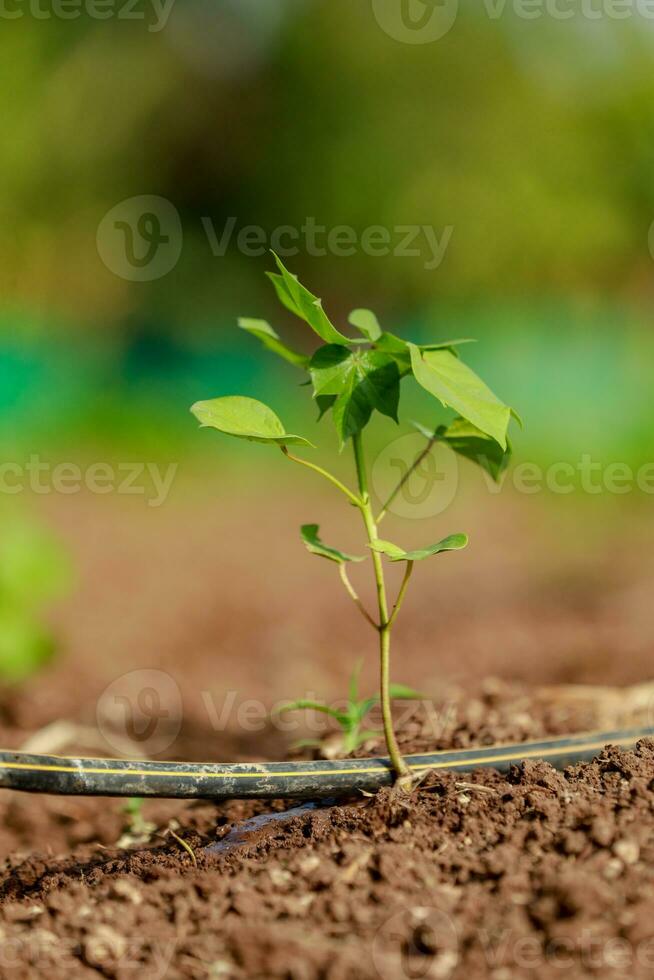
point(533, 875)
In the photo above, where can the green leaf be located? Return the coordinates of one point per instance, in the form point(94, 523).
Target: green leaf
point(353, 687)
point(458, 387)
point(34, 568)
point(324, 403)
point(396, 348)
point(399, 349)
point(447, 344)
point(304, 304)
point(25, 647)
point(283, 294)
point(455, 542)
point(303, 705)
point(309, 533)
point(468, 441)
point(361, 381)
point(400, 692)
point(245, 418)
point(366, 323)
point(270, 339)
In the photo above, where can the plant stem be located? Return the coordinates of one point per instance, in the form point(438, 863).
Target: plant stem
point(328, 476)
point(384, 627)
point(414, 466)
point(355, 598)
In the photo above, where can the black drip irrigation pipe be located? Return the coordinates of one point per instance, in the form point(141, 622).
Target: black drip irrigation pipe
point(300, 780)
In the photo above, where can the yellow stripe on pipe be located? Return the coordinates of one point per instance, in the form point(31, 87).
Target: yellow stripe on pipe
point(518, 755)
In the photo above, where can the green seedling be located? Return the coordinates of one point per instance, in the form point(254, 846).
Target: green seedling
point(137, 829)
point(352, 378)
point(34, 570)
point(351, 717)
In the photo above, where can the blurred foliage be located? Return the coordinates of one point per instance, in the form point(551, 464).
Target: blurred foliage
point(533, 139)
point(34, 570)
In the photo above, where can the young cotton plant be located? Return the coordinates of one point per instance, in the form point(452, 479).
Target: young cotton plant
point(353, 377)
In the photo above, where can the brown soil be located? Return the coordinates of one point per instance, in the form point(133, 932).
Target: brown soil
point(535, 874)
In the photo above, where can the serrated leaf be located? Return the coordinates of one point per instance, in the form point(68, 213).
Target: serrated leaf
point(299, 300)
point(455, 542)
point(245, 418)
point(468, 441)
point(366, 323)
point(442, 374)
point(270, 339)
point(309, 533)
point(360, 381)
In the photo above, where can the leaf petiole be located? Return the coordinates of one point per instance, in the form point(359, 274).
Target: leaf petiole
point(355, 598)
point(328, 476)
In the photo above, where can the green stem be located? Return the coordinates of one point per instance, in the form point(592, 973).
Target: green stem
point(328, 476)
point(384, 628)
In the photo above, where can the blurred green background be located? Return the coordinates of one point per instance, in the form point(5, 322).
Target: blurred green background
point(531, 140)
point(525, 146)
